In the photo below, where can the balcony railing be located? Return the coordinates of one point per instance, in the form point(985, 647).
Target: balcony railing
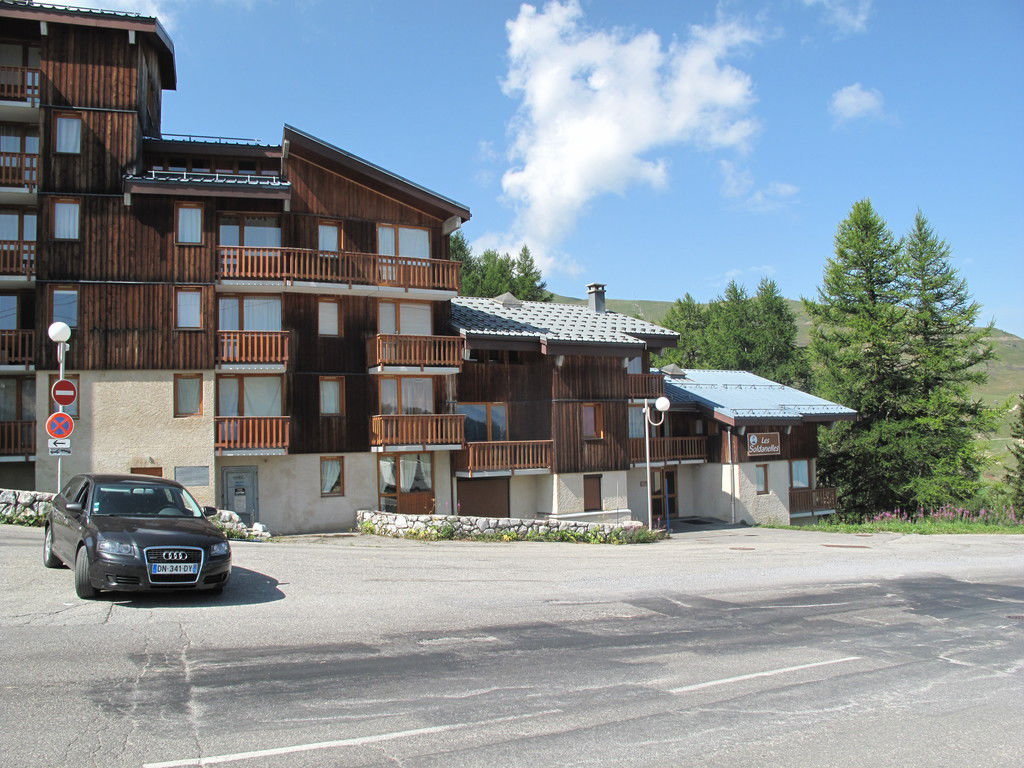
point(252, 432)
point(19, 84)
point(17, 347)
point(17, 257)
point(645, 385)
point(811, 500)
point(244, 263)
point(417, 351)
point(669, 449)
point(506, 455)
point(252, 347)
point(418, 429)
point(19, 169)
point(17, 438)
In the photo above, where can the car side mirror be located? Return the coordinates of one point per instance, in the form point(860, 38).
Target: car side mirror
point(210, 512)
point(73, 508)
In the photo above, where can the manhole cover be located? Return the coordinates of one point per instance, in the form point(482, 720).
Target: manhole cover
point(1016, 616)
point(744, 549)
point(847, 546)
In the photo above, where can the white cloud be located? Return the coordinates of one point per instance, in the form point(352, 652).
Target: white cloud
point(848, 16)
point(736, 182)
point(754, 274)
point(594, 102)
point(739, 183)
point(856, 101)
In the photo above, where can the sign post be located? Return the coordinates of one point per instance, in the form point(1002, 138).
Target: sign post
point(60, 426)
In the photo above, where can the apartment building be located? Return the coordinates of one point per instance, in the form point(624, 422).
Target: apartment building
point(278, 326)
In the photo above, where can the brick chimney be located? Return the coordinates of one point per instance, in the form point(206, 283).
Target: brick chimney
point(595, 297)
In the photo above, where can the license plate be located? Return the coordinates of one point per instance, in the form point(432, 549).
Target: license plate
point(164, 569)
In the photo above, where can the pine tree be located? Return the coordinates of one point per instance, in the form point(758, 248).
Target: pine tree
point(859, 351)
point(495, 271)
point(946, 354)
point(774, 353)
point(1015, 475)
point(459, 250)
point(727, 340)
point(527, 282)
point(689, 319)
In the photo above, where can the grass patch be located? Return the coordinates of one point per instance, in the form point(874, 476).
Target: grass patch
point(948, 519)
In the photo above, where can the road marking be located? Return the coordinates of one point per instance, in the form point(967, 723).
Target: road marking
point(352, 742)
point(768, 673)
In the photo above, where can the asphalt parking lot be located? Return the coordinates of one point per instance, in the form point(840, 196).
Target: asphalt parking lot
point(731, 647)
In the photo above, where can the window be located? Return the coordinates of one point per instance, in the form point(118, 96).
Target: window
point(593, 422)
point(69, 134)
point(484, 421)
point(634, 365)
point(408, 318)
point(591, 493)
point(328, 317)
point(403, 241)
point(190, 223)
point(330, 395)
point(197, 476)
point(65, 306)
point(761, 478)
point(188, 394)
point(636, 421)
point(8, 312)
point(189, 309)
point(249, 396)
point(150, 471)
point(71, 410)
point(800, 473)
point(18, 226)
point(406, 394)
point(332, 476)
point(65, 219)
point(403, 473)
point(329, 238)
point(249, 313)
point(252, 231)
point(18, 399)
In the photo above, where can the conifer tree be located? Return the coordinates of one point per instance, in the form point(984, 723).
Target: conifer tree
point(727, 339)
point(1015, 475)
point(459, 250)
point(774, 353)
point(528, 282)
point(689, 319)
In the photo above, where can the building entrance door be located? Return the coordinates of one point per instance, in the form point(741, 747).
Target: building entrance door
point(664, 495)
point(239, 493)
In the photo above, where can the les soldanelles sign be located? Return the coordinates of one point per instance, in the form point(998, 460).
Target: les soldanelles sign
point(763, 443)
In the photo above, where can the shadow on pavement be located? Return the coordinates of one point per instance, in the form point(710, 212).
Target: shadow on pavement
point(245, 588)
point(698, 524)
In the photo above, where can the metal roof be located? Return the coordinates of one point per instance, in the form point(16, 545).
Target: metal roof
point(742, 396)
point(546, 321)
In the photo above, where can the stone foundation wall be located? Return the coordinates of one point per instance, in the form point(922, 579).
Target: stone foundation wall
point(25, 507)
point(465, 527)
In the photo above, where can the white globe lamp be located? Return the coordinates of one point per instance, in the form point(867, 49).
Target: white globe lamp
point(59, 332)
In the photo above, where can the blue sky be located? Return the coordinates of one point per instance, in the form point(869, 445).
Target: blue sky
point(660, 147)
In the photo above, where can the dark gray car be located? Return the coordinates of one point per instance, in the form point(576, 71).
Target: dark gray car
point(134, 533)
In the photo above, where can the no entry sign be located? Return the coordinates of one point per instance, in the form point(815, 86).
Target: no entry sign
point(64, 392)
point(60, 425)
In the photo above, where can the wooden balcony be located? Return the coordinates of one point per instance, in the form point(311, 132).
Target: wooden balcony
point(243, 263)
point(417, 429)
point(810, 500)
point(17, 438)
point(393, 350)
point(19, 84)
point(17, 348)
point(19, 169)
point(17, 257)
point(669, 449)
point(504, 456)
point(252, 433)
point(642, 386)
point(254, 347)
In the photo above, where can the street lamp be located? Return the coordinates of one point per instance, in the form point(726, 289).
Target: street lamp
point(59, 334)
point(662, 404)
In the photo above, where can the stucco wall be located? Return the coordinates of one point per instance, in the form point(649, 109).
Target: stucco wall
point(288, 489)
point(567, 493)
point(527, 498)
point(772, 507)
point(126, 419)
point(711, 490)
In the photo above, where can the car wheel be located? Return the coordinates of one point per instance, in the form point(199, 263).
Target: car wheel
point(83, 587)
point(50, 560)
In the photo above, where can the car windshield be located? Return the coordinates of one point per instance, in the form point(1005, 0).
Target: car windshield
point(143, 500)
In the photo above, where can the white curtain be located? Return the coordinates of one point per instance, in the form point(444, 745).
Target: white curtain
point(416, 320)
point(8, 399)
point(386, 317)
point(190, 225)
point(69, 134)
point(386, 241)
point(228, 314)
point(328, 318)
point(28, 400)
point(189, 395)
point(65, 307)
point(262, 396)
point(414, 242)
point(330, 396)
point(328, 237)
point(227, 396)
point(416, 473)
point(262, 313)
point(330, 476)
point(417, 395)
point(65, 226)
point(635, 365)
point(189, 312)
point(388, 396)
point(387, 474)
point(9, 226)
point(262, 232)
point(801, 474)
point(636, 422)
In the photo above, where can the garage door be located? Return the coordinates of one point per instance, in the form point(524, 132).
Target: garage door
point(484, 497)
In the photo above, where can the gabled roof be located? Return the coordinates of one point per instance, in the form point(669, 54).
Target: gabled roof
point(559, 328)
point(375, 177)
point(740, 397)
point(94, 17)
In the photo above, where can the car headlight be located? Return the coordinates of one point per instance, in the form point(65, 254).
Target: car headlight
point(220, 548)
point(110, 547)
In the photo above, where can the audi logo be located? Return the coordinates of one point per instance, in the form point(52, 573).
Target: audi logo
point(175, 555)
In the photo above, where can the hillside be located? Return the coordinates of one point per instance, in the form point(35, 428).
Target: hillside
point(1005, 374)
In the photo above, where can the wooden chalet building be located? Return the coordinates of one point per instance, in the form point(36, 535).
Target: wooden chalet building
point(278, 327)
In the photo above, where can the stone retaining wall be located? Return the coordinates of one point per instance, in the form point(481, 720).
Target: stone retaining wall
point(25, 507)
point(465, 527)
